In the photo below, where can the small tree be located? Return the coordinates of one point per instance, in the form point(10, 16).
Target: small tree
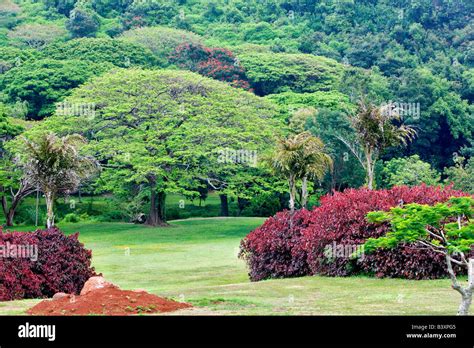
point(376, 129)
point(445, 228)
point(13, 185)
point(83, 21)
point(298, 158)
point(54, 165)
point(461, 175)
point(14, 188)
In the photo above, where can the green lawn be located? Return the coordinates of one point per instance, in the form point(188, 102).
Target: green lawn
point(196, 261)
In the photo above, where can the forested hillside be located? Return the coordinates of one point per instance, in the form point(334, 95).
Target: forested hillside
point(310, 60)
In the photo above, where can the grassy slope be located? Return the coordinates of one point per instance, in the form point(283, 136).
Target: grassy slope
point(196, 261)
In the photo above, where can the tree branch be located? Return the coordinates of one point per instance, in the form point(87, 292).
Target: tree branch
point(454, 280)
point(357, 154)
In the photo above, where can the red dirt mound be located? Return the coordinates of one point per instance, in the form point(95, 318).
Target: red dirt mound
point(107, 301)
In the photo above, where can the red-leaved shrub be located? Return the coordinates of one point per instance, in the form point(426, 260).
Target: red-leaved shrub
point(62, 264)
point(273, 250)
point(339, 223)
point(217, 63)
point(341, 219)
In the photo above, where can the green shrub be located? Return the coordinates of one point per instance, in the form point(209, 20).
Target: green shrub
point(75, 218)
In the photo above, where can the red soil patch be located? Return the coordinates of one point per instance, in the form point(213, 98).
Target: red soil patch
point(107, 301)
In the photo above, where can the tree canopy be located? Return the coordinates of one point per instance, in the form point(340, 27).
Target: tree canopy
point(164, 129)
point(101, 50)
point(162, 41)
point(44, 82)
point(271, 73)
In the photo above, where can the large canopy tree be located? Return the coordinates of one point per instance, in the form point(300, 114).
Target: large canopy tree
point(36, 35)
point(13, 185)
point(271, 73)
point(164, 130)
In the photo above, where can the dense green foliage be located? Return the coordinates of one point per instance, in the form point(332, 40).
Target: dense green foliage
point(44, 82)
point(461, 175)
point(13, 56)
point(271, 73)
point(83, 21)
point(160, 40)
point(409, 171)
point(119, 53)
point(412, 223)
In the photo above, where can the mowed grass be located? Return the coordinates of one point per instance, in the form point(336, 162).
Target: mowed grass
point(196, 261)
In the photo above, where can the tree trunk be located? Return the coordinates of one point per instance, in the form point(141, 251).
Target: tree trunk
point(157, 215)
point(466, 296)
point(224, 205)
point(241, 203)
point(370, 171)
point(465, 304)
point(50, 209)
point(9, 217)
point(37, 207)
point(9, 212)
point(292, 187)
point(466, 293)
point(304, 193)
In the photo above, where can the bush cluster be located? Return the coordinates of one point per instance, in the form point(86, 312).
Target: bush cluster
point(339, 226)
point(61, 264)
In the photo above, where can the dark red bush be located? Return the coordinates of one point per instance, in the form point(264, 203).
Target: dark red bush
point(341, 219)
point(17, 279)
point(276, 250)
point(273, 250)
point(62, 265)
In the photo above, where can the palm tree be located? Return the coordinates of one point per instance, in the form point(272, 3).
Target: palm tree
point(376, 128)
point(300, 157)
point(54, 165)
